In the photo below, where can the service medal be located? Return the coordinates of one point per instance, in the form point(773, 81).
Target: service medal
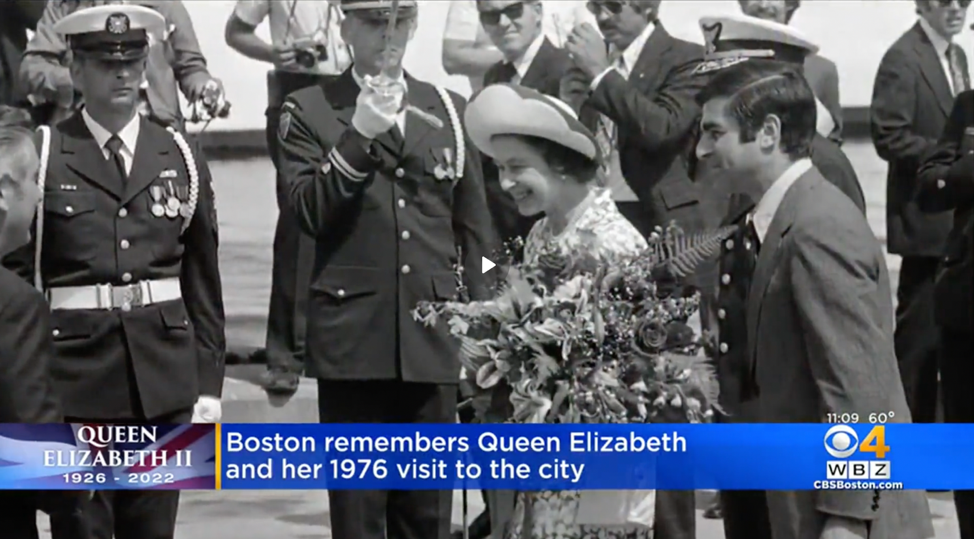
point(157, 208)
point(172, 207)
point(440, 172)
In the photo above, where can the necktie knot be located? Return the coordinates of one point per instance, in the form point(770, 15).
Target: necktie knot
point(114, 144)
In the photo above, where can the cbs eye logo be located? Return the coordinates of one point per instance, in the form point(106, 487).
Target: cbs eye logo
point(841, 441)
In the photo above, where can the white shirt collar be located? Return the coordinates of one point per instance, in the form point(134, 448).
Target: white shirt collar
point(630, 56)
point(523, 64)
point(765, 210)
point(940, 44)
point(129, 134)
point(361, 82)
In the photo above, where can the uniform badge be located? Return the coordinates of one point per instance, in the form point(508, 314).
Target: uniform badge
point(173, 204)
point(284, 125)
point(67, 187)
point(117, 23)
point(168, 173)
point(444, 168)
point(157, 208)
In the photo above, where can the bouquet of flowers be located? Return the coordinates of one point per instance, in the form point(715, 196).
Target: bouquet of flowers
point(577, 338)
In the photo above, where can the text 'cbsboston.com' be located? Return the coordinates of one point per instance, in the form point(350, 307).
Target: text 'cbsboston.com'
point(842, 442)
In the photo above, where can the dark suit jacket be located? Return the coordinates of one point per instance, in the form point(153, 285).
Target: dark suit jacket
point(946, 182)
point(16, 17)
point(387, 228)
point(655, 114)
point(176, 348)
point(910, 104)
point(544, 75)
point(26, 354)
point(820, 339)
point(823, 77)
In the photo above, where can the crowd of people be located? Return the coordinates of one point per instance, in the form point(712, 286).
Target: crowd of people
point(392, 189)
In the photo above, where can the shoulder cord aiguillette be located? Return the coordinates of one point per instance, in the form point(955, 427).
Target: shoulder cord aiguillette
point(456, 126)
point(194, 175)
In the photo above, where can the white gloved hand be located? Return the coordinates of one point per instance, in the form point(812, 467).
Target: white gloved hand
point(207, 410)
point(376, 111)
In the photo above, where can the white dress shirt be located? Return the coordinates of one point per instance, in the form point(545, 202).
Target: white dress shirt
point(766, 209)
point(942, 46)
point(129, 135)
point(401, 117)
point(523, 64)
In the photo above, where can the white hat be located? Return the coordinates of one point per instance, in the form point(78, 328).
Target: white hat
point(511, 109)
point(112, 32)
point(750, 36)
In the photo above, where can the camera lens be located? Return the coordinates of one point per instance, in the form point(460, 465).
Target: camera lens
point(306, 58)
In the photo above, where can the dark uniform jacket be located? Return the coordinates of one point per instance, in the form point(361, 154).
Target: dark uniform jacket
point(946, 182)
point(151, 360)
point(737, 261)
point(655, 113)
point(385, 242)
point(910, 104)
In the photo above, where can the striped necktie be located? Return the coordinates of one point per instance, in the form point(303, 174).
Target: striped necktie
point(958, 79)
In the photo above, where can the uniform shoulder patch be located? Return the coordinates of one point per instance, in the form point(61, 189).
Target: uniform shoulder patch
point(284, 125)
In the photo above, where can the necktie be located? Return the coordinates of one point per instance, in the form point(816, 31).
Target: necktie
point(114, 146)
point(507, 73)
point(957, 76)
point(751, 235)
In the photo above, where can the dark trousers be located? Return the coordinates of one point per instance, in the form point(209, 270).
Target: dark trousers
point(917, 337)
point(745, 514)
point(957, 372)
point(293, 250)
point(126, 514)
point(381, 514)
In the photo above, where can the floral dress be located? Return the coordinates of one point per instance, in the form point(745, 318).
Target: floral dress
point(553, 513)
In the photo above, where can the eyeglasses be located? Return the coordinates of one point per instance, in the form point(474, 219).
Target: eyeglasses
point(513, 12)
point(610, 7)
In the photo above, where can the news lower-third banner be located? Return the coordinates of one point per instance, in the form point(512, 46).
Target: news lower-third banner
point(518, 457)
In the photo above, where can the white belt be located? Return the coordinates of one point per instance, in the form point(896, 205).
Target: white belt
point(106, 296)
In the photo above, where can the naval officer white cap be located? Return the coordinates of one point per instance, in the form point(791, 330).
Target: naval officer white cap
point(733, 39)
point(113, 32)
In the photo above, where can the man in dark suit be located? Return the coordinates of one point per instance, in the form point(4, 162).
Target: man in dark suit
point(129, 230)
point(531, 60)
point(390, 195)
point(946, 182)
point(743, 38)
point(912, 95)
point(647, 93)
point(820, 72)
point(819, 312)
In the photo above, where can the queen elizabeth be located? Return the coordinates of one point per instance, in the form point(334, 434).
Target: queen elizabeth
point(550, 163)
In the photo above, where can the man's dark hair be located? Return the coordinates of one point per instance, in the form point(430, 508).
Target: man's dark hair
point(757, 89)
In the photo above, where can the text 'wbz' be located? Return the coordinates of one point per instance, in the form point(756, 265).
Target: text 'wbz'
point(101, 440)
point(431, 455)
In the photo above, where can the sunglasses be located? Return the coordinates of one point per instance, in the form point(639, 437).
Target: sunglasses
point(599, 8)
point(946, 3)
point(513, 12)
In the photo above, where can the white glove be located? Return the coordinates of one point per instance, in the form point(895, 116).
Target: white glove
point(376, 111)
point(207, 410)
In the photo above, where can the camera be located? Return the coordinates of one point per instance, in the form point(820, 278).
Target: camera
point(309, 52)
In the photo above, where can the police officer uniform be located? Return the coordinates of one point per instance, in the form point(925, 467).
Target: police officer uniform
point(397, 219)
point(732, 40)
point(126, 231)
